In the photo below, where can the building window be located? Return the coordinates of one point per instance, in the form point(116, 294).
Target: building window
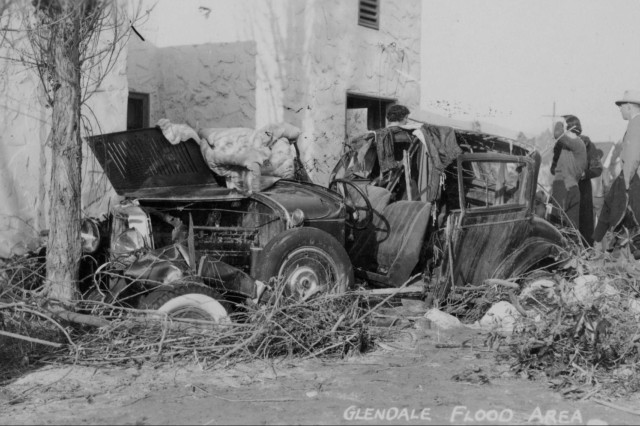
point(138, 111)
point(369, 13)
point(365, 113)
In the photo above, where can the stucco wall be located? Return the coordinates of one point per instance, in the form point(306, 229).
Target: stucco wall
point(248, 63)
point(216, 64)
point(25, 159)
point(207, 85)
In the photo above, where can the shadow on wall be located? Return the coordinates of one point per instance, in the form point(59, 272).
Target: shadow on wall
point(300, 86)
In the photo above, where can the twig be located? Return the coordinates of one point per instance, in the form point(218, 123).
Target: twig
point(51, 320)
point(503, 283)
point(315, 354)
point(11, 305)
point(590, 394)
point(385, 300)
point(31, 339)
point(335, 327)
point(516, 304)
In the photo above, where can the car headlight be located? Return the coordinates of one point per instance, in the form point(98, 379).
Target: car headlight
point(174, 274)
point(297, 217)
point(90, 235)
point(128, 242)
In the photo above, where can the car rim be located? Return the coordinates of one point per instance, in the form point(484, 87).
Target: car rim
point(195, 306)
point(190, 312)
point(308, 271)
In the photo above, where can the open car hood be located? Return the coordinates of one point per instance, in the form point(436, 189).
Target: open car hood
point(143, 164)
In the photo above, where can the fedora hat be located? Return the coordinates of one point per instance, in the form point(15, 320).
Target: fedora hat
point(630, 97)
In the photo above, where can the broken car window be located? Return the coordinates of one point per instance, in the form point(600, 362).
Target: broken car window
point(494, 183)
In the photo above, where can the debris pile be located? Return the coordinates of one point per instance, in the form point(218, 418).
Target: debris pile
point(26, 332)
point(582, 332)
point(325, 326)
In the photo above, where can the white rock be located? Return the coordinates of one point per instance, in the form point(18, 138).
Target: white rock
point(586, 289)
point(500, 317)
point(634, 306)
point(442, 320)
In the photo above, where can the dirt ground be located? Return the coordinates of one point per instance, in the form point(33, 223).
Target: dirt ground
point(405, 380)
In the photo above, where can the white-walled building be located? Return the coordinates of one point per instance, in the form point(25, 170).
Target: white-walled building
point(330, 67)
point(25, 157)
point(248, 63)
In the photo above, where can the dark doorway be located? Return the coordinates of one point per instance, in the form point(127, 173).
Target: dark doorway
point(365, 113)
point(138, 111)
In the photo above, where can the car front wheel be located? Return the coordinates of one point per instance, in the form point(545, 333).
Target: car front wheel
point(190, 301)
point(308, 261)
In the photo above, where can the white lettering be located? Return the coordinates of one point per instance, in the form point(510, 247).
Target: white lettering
point(550, 417)
point(563, 417)
point(353, 412)
point(425, 414)
point(468, 417)
point(537, 416)
point(403, 413)
point(480, 415)
point(379, 415)
point(368, 414)
point(505, 416)
point(414, 416)
point(350, 412)
point(393, 410)
point(492, 415)
point(577, 417)
point(458, 409)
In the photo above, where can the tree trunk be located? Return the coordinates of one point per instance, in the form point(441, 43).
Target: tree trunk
point(64, 245)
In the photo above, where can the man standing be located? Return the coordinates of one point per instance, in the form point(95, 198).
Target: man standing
point(397, 115)
point(392, 141)
point(622, 202)
point(630, 110)
point(593, 170)
point(571, 165)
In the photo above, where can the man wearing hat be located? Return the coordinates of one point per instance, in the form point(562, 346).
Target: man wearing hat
point(622, 202)
point(630, 109)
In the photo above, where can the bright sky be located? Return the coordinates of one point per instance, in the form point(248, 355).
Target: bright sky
point(508, 61)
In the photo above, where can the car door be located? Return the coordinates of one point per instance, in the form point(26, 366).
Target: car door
point(496, 194)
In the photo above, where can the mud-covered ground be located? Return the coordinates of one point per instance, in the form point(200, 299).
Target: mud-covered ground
point(406, 380)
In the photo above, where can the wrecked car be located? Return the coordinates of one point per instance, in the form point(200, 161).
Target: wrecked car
point(452, 207)
point(183, 242)
point(448, 208)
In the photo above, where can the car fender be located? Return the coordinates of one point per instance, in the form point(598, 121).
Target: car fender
point(531, 252)
point(545, 230)
point(158, 271)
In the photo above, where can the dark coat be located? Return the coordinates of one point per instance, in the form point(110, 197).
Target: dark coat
point(620, 207)
point(594, 169)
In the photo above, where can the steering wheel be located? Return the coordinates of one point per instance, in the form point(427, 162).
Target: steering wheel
point(353, 208)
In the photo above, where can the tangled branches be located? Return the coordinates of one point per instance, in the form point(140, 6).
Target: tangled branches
point(325, 326)
point(589, 335)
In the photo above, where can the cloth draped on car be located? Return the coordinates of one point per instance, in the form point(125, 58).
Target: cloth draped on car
point(439, 149)
point(243, 156)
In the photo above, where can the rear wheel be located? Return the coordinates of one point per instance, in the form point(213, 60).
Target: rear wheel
point(186, 300)
point(308, 261)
